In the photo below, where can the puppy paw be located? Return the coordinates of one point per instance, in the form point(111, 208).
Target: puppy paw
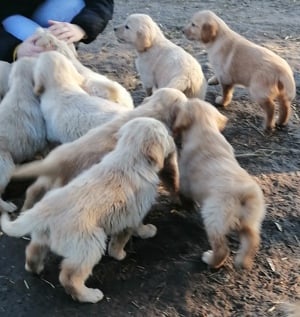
point(7, 206)
point(34, 268)
point(116, 253)
point(213, 81)
point(90, 295)
point(207, 257)
point(219, 101)
point(145, 231)
point(240, 262)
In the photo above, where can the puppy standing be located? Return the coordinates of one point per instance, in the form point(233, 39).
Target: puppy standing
point(5, 68)
point(70, 159)
point(22, 127)
point(211, 176)
point(68, 110)
point(160, 62)
point(237, 61)
point(107, 199)
point(94, 84)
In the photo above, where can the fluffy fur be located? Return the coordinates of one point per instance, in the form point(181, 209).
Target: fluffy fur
point(110, 197)
point(5, 68)
point(68, 110)
point(237, 61)
point(211, 176)
point(95, 84)
point(291, 309)
point(22, 127)
point(70, 159)
point(160, 62)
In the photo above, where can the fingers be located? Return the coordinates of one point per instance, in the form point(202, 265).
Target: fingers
point(67, 32)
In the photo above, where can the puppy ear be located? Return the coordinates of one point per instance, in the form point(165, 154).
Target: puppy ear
point(221, 121)
point(154, 154)
point(169, 175)
point(143, 41)
point(182, 121)
point(208, 32)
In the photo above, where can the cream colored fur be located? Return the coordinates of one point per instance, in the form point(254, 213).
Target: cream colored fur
point(5, 68)
point(22, 127)
point(110, 197)
point(94, 83)
point(237, 61)
point(160, 62)
point(69, 111)
point(210, 175)
point(70, 159)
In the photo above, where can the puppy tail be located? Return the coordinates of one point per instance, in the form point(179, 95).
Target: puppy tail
point(34, 169)
point(23, 225)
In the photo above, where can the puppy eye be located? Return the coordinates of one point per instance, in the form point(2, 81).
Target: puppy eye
point(193, 24)
point(127, 27)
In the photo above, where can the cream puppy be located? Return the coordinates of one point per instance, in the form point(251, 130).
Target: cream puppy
point(68, 160)
point(5, 68)
point(95, 84)
point(211, 176)
point(68, 110)
point(110, 197)
point(161, 63)
point(237, 61)
point(22, 127)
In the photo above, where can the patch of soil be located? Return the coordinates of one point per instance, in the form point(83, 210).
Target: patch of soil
point(165, 276)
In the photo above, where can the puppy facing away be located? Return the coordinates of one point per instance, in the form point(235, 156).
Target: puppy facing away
point(211, 176)
point(237, 61)
point(161, 63)
point(110, 197)
point(4, 73)
point(70, 159)
point(68, 110)
point(22, 127)
point(94, 84)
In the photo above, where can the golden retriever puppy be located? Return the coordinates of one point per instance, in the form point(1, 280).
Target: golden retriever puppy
point(69, 111)
point(237, 61)
point(95, 84)
point(22, 127)
point(211, 176)
point(110, 197)
point(5, 68)
point(68, 160)
point(161, 63)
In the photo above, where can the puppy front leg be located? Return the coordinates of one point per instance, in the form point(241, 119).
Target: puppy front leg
point(227, 95)
point(117, 244)
point(269, 108)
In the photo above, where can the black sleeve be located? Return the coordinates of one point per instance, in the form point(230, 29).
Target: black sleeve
point(94, 17)
point(7, 45)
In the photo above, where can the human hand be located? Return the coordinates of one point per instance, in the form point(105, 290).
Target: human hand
point(28, 47)
point(65, 31)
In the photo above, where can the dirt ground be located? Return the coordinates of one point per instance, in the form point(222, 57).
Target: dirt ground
point(164, 276)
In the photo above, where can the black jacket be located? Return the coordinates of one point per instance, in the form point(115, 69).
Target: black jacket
point(93, 18)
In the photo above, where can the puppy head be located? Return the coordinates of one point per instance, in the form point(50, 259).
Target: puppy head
point(49, 42)
point(200, 113)
point(53, 69)
point(138, 30)
point(164, 105)
point(149, 138)
point(203, 27)
point(22, 70)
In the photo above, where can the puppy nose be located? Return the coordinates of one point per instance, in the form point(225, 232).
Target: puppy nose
point(115, 29)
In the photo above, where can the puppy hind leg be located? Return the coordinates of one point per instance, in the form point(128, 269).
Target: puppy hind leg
point(249, 243)
point(74, 273)
point(284, 111)
point(117, 243)
point(227, 93)
point(216, 228)
point(36, 253)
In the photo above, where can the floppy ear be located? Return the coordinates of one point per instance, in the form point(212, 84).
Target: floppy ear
point(182, 121)
point(221, 121)
point(154, 153)
point(208, 32)
point(143, 40)
point(169, 175)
